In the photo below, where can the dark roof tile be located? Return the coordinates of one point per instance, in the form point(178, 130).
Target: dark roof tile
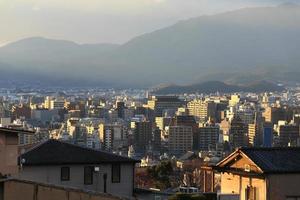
point(275, 160)
point(54, 152)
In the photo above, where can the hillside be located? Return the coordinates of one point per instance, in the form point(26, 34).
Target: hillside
point(216, 86)
point(245, 45)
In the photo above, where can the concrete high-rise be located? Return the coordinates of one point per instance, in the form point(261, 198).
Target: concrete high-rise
point(203, 110)
point(208, 137)
point(238, 133)
point(180, 139)
point(288, 135)
point(267, 135)
point(142, 134)
point(113, 136)
point(120, 107)
point(161, 104)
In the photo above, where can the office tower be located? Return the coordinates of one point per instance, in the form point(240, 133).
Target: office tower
point(57, 104)
point(120, 107)
point(113, 115)
point(47, 102)
point(208, 137)
point(145, 111)
point(44, 115)
point(185, 120)
point(112, 136)
point(188, 120)
point(247, 116)
point(220, 111)
point(254, 133)
point(93, 141)
point(80, 135)
point(142, 134)
point(21, 111)
point(265, 101)
point(255, 130)
point(267, 114)
point(274, 114)
point(203, 110)
point(267, 135)
point(78, 107)
point(288, 135)
point(238, 133)
point(160, 104)
point(234, 100)
point(162, 122)
point(180, 139)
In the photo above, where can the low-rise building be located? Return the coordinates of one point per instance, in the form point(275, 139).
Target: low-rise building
point(9, 150)
point(60, 163)
point(260, 174)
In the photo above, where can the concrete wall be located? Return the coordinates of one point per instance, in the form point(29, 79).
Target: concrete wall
point(273, 187)
point(283, 185)
point(23, 190)
point(8, 153)
point(51, 174)
point(235, 184)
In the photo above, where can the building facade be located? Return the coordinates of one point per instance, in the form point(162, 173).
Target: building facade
point(180, 139)
point(59, 163)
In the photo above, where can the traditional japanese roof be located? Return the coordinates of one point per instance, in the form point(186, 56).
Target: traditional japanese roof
point(268, 160)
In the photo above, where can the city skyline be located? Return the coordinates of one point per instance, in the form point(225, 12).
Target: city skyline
point(149, 99)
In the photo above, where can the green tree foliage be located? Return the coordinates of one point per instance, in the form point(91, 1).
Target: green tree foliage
point(161, 174)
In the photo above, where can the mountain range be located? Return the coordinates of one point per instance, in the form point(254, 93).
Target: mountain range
point(242, 46)
point(217, 86)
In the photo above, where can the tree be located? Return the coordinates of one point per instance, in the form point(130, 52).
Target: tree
point(161, 174)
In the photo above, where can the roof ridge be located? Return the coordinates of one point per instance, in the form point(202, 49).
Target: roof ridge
point(75, 146)
point(269, 148)
point(35, 147)
point(87, 148)
point(55, 152)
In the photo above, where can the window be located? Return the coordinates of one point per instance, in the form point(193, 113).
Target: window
point(65, 173)
point(115, 173)
point(247, 168)
point(88, 175)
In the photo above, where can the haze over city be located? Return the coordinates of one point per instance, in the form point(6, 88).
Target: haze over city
point(149, 100)
point(113, 21)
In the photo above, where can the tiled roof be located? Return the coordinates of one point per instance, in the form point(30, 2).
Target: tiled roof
point(54, 152)
point(275, 160)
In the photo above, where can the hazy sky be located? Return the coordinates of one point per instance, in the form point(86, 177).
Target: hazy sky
point(97, 21)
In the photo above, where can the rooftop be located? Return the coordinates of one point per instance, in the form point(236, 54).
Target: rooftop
point(270, 160)
point(54, 152)
point(275, 160)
